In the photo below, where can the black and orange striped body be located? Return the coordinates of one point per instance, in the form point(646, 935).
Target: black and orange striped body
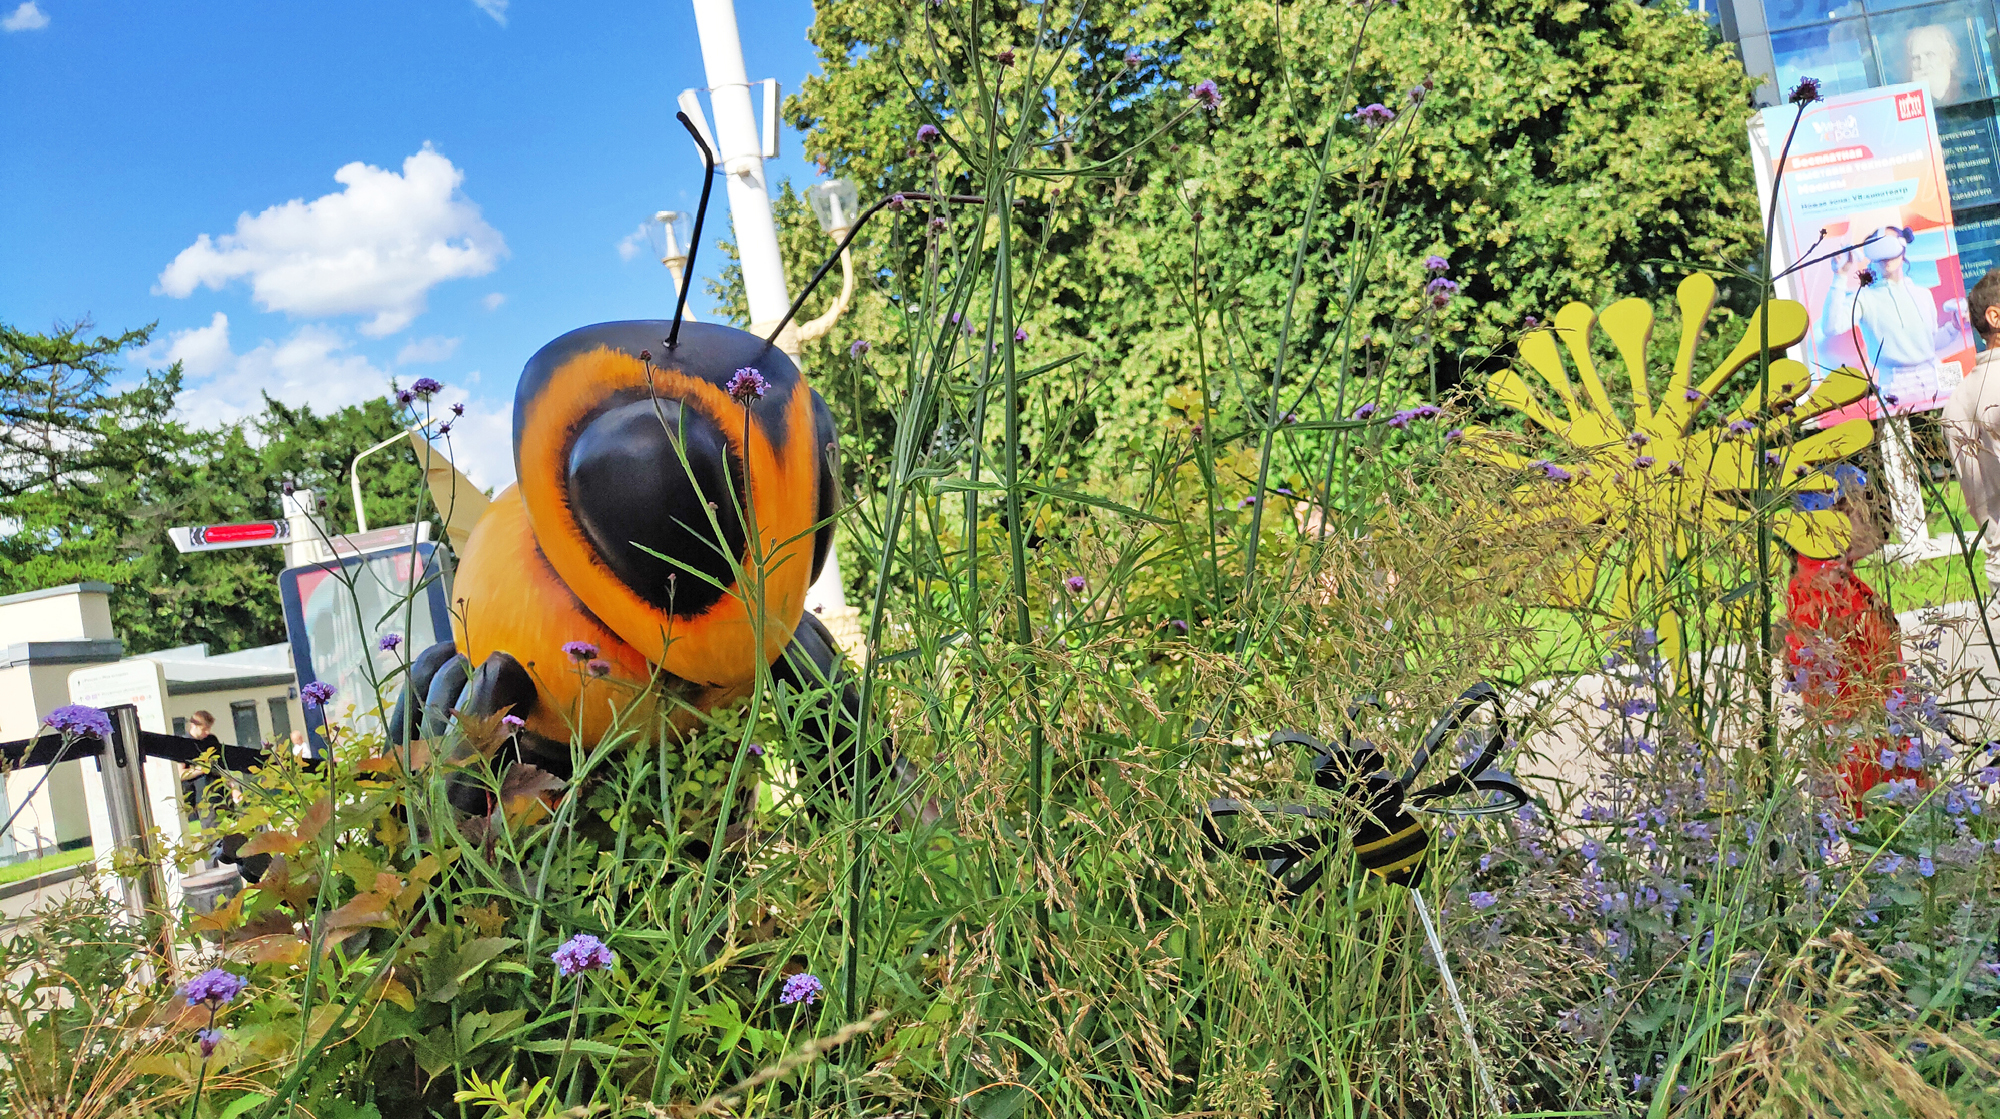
point(662, 521)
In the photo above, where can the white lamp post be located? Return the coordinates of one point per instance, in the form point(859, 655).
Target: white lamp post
point(668, 231)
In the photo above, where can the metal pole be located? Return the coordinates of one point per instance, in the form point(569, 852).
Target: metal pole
point(123, 768)
point(741, 153)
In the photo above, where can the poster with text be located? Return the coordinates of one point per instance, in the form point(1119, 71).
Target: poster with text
point(1865, 217)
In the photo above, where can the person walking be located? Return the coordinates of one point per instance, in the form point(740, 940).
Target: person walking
point(1971, 422)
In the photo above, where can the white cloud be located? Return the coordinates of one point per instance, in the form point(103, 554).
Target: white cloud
point(375, 248)
point(481, 441)
point(495, 8)
point(313, 366)
point(424, 351)
point(633, 243)
point(27, 17)
point(493, 301)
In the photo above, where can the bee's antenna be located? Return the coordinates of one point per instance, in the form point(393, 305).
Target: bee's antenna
point(701, 212)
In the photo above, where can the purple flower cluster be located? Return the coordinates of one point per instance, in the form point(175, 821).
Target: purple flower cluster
point(747, 385)
point(1206, 95)
point(580, 953)
point(426, 387)
point(1377, 115)
point(1441, 290)
point(804, 987)
point(389, 641)
point(215, 987)
point(579, 650)
point(860, 346)
point(315, 695)
point(78, 720)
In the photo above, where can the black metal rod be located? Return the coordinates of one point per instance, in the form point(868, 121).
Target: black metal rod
point(700, 214)
point(854, 231)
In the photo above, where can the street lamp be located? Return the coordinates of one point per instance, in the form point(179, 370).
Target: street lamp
point(836, 204)
point(668, 231)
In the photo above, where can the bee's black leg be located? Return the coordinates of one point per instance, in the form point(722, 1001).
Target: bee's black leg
point(502, 687)
point(814, 667)
point(423, 672)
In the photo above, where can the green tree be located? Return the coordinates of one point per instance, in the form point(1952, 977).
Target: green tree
point(92, 476)
point(1561, 150)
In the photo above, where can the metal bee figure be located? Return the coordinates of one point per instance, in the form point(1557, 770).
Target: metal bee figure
point(676, 484)
point(1389, 839)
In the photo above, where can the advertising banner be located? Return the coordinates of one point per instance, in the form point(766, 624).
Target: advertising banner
point(1864, 216)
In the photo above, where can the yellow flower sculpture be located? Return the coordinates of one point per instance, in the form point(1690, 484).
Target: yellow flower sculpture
point(1658, 488)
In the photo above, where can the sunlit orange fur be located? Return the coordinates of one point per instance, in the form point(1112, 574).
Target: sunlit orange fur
point(717, 648)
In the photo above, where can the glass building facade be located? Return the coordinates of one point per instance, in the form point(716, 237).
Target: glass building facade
point(1949, 47)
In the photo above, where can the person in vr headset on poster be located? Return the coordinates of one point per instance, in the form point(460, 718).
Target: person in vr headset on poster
point(1893, 320)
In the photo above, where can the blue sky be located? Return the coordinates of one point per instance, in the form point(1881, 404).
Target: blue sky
point(502, 151)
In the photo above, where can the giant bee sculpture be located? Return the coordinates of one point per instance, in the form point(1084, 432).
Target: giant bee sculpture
point(668, 526)
point(674, 502)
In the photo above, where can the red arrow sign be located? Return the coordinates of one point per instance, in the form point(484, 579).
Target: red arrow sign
point(216, 538)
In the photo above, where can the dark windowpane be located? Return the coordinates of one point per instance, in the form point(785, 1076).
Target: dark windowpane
point(1978, 242)
point(1971, 160)
point(1781, 14)
point(180, 726)
point(1946, 48)
point(243, 715)
point(1839, 55)
point(281, 721)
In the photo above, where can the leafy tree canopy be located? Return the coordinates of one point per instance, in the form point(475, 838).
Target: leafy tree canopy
point(93, 474)
point(1560, 151)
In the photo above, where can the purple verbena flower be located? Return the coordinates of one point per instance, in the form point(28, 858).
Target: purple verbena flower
point(513, 722)
point(426, 386)
point(1365, 411)
point(1132, 59)
point(458, 409)
point(405, 396)
point(1454, 435)
point(756, 751)
point(1644, 462)
point(1441, 290)
point(897, 202)
point(214, 986)
point(580, 650)
point(746, 385)
point(1691, 395)
point(580, 953)
point(1020, 334)
point(1374, 116)
point(860, 346)
point(926, 134)
point(1075, 583)
point(1482, 899)
point(1402, 419)
point(1004, 56)
point(598, 668)
point(76, 720)
point(389, 641)
point(315, 694)
point(1425, 411)
point(1436, 263)
point(1804, 93)
point(804, 987)
point(1206, 95)
point(208, 1039)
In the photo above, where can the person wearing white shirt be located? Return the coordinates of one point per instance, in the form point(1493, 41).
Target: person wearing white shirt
point(1900, 332)
point(1972, 425)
